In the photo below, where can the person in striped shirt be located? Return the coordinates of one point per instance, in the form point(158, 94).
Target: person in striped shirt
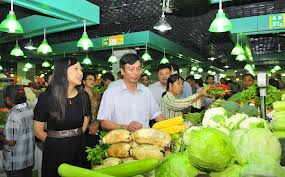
point(171, 106)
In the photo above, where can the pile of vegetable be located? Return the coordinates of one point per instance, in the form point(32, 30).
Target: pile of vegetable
point(3, 118)
point(219, 90)
point(252, 95)
point(278, 119)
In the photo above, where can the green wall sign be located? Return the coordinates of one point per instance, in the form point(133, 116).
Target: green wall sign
point(277, 21)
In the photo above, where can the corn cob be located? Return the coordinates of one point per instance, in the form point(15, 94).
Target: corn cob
point(174, 129)
point(169, 122)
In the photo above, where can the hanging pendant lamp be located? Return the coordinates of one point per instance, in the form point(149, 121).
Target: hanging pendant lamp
point(44, 48)
point(146, 56)
point(10, 24)
point(17, 51)
point(164, 60)
point(46, 64)
point(238, 50)
point(221, 23)
point(112, 58)
point(84, 42)
point(30, 45)
point(87, 61)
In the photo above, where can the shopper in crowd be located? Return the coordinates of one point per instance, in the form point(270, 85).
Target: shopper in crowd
point(277, 76)
point(107, 79)
point(128, 105)
point(18, 135)
point(92, 137)
point(170, 105)
point(95, 98)
point(191, 80)
point(234, 87)
point(187, 89)
point(119, 75)
point(47, 79)
point(247, 81)
point(223, 81)
point(159, 87)
point(274, 83)
point(210, 80)
point(205, 101)
point(65, 109)
point(145, 80)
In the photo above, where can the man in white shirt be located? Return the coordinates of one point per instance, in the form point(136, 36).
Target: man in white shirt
point(159, 87)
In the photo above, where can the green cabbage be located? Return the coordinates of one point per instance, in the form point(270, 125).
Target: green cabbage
point(252, 141)
point(261, 165)
point(215, 121)
point(231, 171)
point(233, 122)
point(210, 150)
point(278, 123)
point(253, 122)
point(176, 165)
point(186, 136)
point(279, 134)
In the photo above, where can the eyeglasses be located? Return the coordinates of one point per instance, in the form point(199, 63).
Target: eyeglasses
point(90, 80)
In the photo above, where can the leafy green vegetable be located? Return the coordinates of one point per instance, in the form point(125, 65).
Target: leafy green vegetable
point(194, 118)
point(217, 103)
point(260, 164)
point(251, 111)
point(97, 154)
point(99, 89)
point(176, 165)
point(252, 93)
point(252, 141)
point(279, 134)
point(230, 107)
point(231, 171)
point(3, 117)
point(233, 122)
point(209, 149)
point(253, 122)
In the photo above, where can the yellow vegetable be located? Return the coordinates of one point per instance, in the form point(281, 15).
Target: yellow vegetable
point(169, 122)
point(174, 129)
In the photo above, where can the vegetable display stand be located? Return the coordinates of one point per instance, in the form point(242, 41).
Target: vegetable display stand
point(282, 142)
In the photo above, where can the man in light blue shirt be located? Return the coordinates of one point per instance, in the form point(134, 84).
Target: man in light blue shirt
point(159, 87)
point(128, 104)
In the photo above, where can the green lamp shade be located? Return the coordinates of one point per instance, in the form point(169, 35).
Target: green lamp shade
point(194, 68)
point(112, 59)
point(25, 69)
point(164, 60)
point(221, 23)
point(28, 65)
point(87, 61)
point(277, 68)
point(146, 56)
point(248, 67)
point(200, 70)
point(104, 71)
point(11, 25)
point(52, 67)
point(1, 68)
point(17, 52)
point(241, 58)
point(46, 64)
point(44, 48)
point(238, 50)
point(84, 42)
